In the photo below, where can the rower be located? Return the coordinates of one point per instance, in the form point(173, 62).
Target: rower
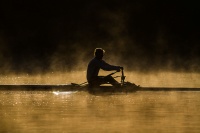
point(93, 70)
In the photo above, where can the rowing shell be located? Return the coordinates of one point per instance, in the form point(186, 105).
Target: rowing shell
point(67, 87)
point(98, 90)
point(72, 87)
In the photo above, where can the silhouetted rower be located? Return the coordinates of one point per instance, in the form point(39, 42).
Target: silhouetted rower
point(95, 65)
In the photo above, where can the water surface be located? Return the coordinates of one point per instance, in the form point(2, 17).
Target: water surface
point(45, 111)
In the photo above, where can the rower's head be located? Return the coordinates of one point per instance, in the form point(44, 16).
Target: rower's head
point(98, 53)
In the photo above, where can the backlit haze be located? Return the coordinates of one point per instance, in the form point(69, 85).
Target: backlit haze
point(51, 42)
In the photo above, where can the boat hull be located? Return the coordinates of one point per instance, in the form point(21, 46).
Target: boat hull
point(69, 87)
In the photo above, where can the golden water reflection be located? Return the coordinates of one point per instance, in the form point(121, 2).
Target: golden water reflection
point(39, 111)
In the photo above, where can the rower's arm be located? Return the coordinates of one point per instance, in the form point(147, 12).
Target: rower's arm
point(105, 66)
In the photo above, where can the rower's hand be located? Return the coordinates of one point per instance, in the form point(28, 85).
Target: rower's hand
point(119, 68)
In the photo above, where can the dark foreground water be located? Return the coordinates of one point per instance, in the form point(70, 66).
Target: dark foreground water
point(139, 112)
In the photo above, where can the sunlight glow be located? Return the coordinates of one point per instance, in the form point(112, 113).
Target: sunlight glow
point(63, 93)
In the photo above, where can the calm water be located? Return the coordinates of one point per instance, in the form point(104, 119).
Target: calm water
point(138, 112)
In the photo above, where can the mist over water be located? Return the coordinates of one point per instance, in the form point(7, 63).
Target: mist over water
point(44, 36)
point(155, 79)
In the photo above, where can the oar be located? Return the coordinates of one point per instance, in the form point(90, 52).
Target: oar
point(122, 77)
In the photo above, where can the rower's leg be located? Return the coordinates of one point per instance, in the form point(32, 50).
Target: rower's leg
point(112, 81)
point(105, 80)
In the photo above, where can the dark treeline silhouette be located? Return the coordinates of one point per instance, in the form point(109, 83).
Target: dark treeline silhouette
point(40, 36)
